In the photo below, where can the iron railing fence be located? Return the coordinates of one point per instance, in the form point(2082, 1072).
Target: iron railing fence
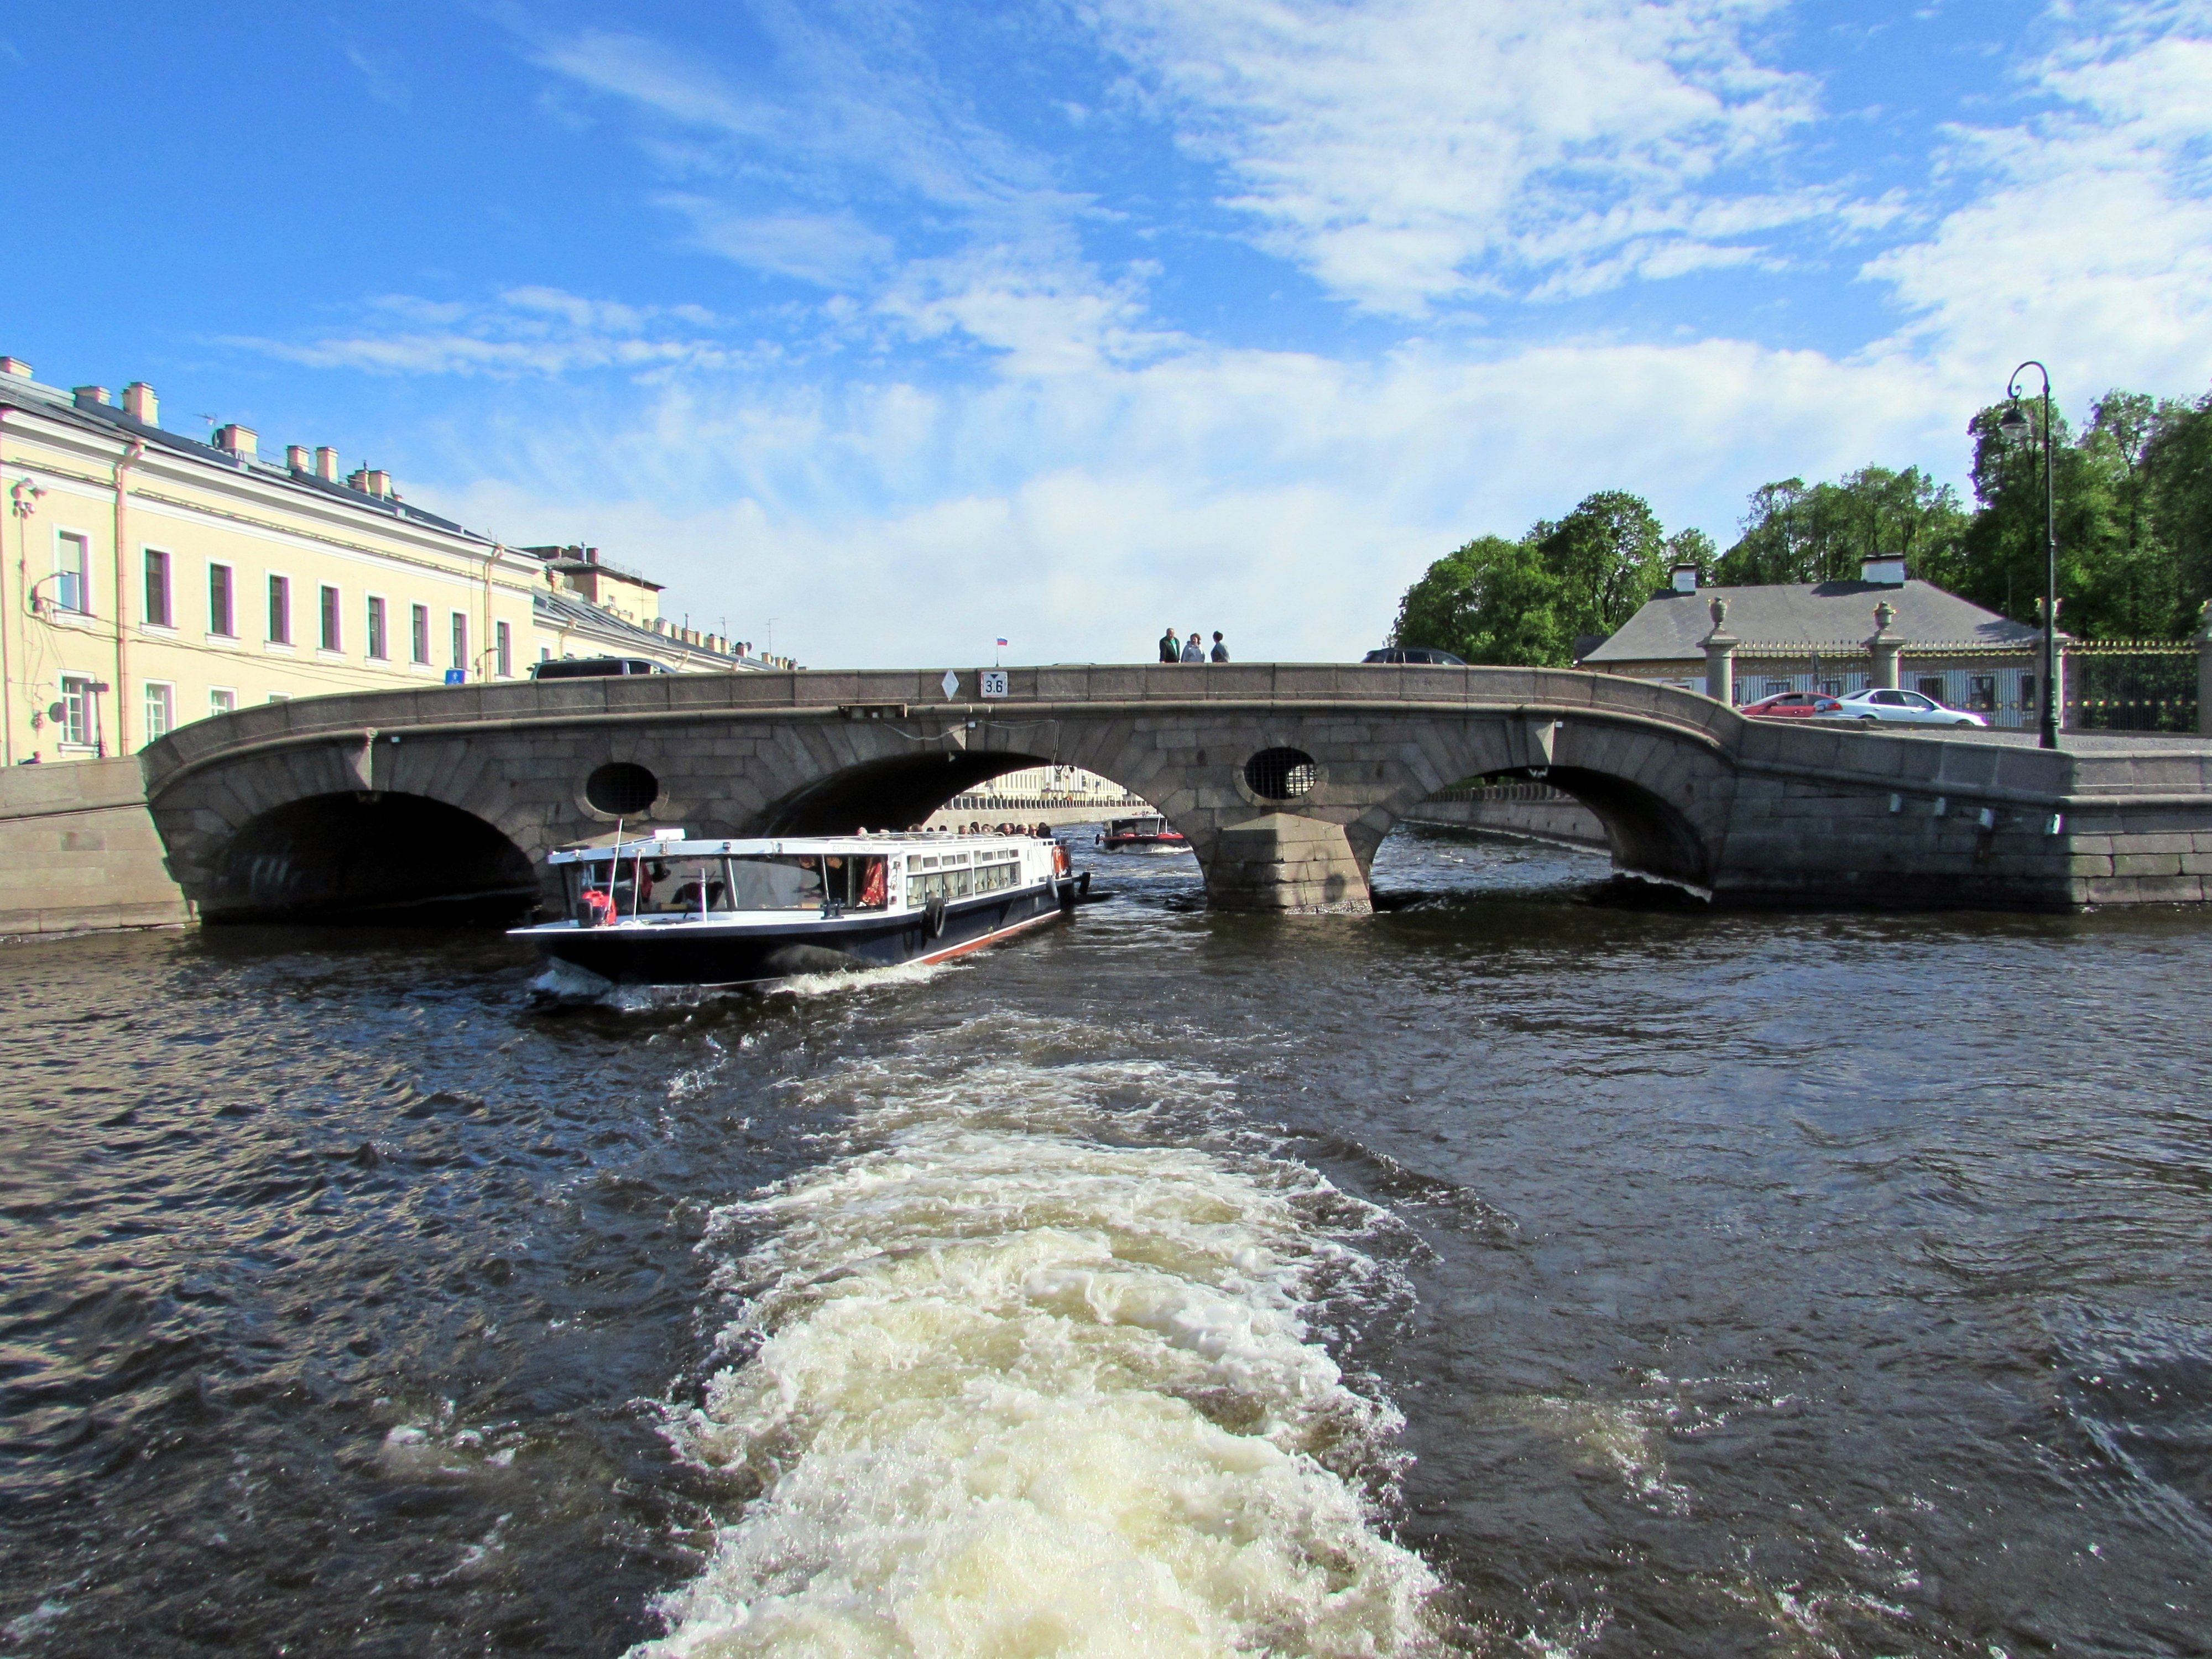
point(2131, 685)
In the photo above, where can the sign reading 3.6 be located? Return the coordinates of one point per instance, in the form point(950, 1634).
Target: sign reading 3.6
point(994, 682)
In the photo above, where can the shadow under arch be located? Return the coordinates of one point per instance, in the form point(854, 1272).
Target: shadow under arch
point(1649, 835)
point(887, 794)
point(362, 857)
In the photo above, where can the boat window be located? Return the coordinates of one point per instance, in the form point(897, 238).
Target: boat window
point(782, 882)
point(858, 884)
point(675, 887)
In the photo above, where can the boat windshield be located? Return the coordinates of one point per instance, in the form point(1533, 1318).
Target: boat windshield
point(788, 881)
point(675, 887)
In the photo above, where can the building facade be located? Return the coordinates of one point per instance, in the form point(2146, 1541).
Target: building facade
point(1808, 636)
point(148, 580)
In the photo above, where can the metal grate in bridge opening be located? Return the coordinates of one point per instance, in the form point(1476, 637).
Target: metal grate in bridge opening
point(621, 787)
point(1280, 774)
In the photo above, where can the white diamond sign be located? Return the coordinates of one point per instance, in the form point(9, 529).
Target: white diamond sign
point(951, 684)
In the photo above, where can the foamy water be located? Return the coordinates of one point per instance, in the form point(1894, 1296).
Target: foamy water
point(1008, 1389)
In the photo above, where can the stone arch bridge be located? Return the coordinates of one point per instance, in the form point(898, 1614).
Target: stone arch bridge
point(1286, 778)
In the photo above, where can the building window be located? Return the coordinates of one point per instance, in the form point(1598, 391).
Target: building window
point(505, 652)
point(333, 631)
point(280, 696)
point(1982, 693)
point(73, 572)
point(420, 643)
point(2028, 705)
point(222, 700)
point(77, 711)
point(1930, 686)
point(160, 709)
point(460, 642)
point(219, 618)
point(280, 611)
point(376, 629)
point(157, 588)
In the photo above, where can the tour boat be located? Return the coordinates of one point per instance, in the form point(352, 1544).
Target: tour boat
point(1143, 835)
point(657, 909)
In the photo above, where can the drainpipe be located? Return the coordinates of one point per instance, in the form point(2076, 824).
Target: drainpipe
point(133, 452)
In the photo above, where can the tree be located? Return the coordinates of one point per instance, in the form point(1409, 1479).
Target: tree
point(1525, 602)
point(1823, 532)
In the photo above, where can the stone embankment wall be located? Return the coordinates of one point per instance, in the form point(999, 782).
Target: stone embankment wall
point(78, 849)
point(1535, 810)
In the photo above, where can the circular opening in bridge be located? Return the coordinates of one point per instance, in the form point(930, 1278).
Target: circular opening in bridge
point(1280, 773)
point(621, 787)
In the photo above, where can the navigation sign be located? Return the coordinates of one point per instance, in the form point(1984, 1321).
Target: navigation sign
point(951, 684)
point(994, 682)
point(457, 676)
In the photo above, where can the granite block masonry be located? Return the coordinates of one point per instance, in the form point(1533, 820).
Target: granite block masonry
point(1285, 777)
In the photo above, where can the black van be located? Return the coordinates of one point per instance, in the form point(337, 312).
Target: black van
point(587, 668)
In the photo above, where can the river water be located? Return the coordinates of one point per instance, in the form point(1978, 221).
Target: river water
point(1516, 1272)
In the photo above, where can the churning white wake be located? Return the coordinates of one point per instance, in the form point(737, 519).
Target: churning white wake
point(1017, 1391)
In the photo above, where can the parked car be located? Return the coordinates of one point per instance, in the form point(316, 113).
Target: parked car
point(1415, 654)
point(592, 668)
point(1908, 708)
point(1794, 705)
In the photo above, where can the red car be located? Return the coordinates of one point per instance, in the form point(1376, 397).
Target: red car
point(1793, 705)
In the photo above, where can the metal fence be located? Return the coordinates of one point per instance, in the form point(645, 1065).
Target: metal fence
point(2131, 685)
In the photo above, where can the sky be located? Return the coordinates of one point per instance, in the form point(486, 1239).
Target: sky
point(884, 331)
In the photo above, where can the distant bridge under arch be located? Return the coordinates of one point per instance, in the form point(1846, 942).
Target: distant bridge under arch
point(1286, 778)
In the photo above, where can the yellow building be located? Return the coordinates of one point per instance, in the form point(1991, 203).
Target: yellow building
point(148, 580)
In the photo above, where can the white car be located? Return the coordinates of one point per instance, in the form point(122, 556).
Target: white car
point(1907, 707)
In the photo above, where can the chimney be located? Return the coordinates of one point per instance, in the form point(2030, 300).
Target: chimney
point(326, 463)
point(295, 457)
point(90, 396)
point(371, 481)
point(1885, 568)
point(16, 367)
point(140, 404)
point(242, 441)
point(591, 554)
point(1685, 578)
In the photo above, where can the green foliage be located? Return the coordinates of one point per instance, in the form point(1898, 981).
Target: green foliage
point(2133, 515)
point(1525, 602)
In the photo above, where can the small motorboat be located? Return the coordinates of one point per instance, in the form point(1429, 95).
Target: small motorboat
point(657, 909)
point(1153, 834)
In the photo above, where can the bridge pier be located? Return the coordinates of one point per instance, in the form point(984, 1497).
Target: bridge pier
point(1281, 861)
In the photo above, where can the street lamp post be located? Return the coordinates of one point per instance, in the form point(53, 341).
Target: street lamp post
point(2014, 426)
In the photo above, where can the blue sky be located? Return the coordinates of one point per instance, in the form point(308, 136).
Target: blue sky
point(909, 326)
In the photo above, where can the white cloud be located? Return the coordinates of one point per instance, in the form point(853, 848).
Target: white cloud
point(530, 329)
point(2087, 238)
point(1412, 152)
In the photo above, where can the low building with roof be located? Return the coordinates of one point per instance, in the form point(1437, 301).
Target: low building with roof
point(1819, 636)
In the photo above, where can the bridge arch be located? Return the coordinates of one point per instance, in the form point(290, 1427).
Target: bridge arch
point(361, 855)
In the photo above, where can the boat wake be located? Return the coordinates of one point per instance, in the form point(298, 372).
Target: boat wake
point(1003, 1388)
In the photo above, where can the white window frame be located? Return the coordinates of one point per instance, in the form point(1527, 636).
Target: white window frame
point(166, 704)
point(330, 606)
point(372, 636)
point(170, 563)
point(286, 646)
point(502, 637)
point(230, 592)
point(457, 639)
point(228, 692)
point(418, 641)
point(86, 705)
point(63, 533)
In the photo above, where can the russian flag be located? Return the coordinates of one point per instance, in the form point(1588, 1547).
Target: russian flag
point(1001, 641)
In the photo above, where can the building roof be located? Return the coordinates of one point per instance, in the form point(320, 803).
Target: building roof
point(53, 404)
point(565, 612)
point(1797, 617)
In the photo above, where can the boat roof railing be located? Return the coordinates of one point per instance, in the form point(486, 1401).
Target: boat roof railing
point(668, 842)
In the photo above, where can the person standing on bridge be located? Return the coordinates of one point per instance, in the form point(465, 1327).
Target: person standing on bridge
point(1220, 651)
point(1193, 652)
point(1170, 650)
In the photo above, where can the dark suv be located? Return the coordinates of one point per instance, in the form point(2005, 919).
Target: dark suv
point(1415, 654)
point(590, 668)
